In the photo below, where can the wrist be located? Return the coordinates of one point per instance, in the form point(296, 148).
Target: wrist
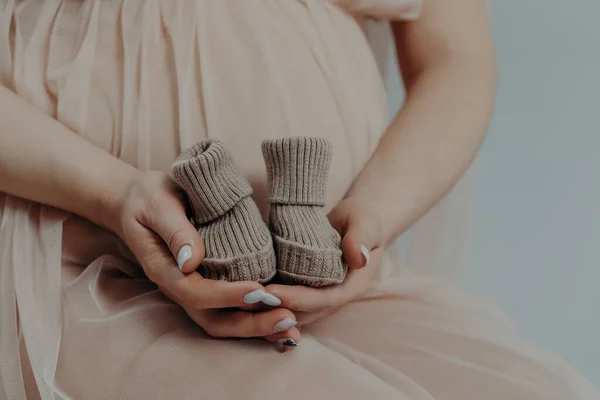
point(377, 210)
point(108, 206)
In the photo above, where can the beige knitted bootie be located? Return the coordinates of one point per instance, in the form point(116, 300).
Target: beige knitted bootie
point(307, 247)
point(238, 244)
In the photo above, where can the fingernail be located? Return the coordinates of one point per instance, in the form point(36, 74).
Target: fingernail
point(254, 297)
point(271, 300)
point(284, 325)
point(185, 253)
point(366, 254)
point(288, 342)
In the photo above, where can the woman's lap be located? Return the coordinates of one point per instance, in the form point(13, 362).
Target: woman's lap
point(416, 339)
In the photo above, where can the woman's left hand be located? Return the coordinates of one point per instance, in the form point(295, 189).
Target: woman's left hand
point(363, 243)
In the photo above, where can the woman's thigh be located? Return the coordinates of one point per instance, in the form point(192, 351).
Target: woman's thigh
point(450, 344)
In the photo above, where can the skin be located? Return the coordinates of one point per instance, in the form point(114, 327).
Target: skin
point(449, 72)
point(448, 67)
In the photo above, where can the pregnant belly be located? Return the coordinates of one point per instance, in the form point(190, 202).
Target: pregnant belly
point(145, 80)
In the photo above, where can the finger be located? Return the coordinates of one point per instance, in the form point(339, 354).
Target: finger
point(187, 294)
point(247, 324)
point(192, 290)
point(286, 340)
point(360, 239)
point(307, 299)
point(199, 293)
point(306, 318)
point(257, 307)
point(181, 237)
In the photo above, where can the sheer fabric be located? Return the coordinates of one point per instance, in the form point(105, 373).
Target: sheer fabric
point(144, 79)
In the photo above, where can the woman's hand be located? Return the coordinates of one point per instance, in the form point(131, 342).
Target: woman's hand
point(363, 243)
point(153, 223)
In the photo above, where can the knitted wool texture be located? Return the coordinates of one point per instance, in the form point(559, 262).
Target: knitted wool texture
point(238, 244)
point(307, 247)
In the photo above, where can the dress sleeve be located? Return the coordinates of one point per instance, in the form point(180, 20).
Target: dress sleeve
point(382, 9)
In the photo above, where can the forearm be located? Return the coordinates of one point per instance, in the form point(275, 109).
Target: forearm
point(430, 143)
point(43, 161)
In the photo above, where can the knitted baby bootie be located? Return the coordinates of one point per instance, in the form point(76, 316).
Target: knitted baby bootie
point(308, 248)
point(238, 244)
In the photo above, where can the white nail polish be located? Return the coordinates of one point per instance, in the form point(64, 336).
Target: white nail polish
point(254, 297)
point(288, 342)
point(365, 252)
point(271, 300)
point(185, 253)
point(284, 325)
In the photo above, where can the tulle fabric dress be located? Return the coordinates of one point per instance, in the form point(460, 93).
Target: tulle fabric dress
point(144, 79)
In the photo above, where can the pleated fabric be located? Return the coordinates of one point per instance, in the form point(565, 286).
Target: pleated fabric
point(144, 79)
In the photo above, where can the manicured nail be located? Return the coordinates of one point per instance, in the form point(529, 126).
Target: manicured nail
point(284, 325)
point(288, 342)
point(271, 300)
point(185, 253)
point(366, 254)
point(254, 297)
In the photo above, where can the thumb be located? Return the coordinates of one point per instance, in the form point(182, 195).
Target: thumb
point(360, 238)
point(182, 238)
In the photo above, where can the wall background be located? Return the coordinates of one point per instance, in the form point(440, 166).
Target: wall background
point(535, 245)
point(535, 248)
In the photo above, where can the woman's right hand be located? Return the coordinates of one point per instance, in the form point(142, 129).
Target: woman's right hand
point(152, 221)
point(146, 209)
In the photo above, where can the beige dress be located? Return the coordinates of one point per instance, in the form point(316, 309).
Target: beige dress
point(144, 79)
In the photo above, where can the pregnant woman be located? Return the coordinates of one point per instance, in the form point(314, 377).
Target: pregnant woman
point(99, 297)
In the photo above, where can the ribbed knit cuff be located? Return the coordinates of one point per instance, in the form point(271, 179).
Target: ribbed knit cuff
point(210, 179)
point(297, 170)
point(309, 266)
point(255, 267)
